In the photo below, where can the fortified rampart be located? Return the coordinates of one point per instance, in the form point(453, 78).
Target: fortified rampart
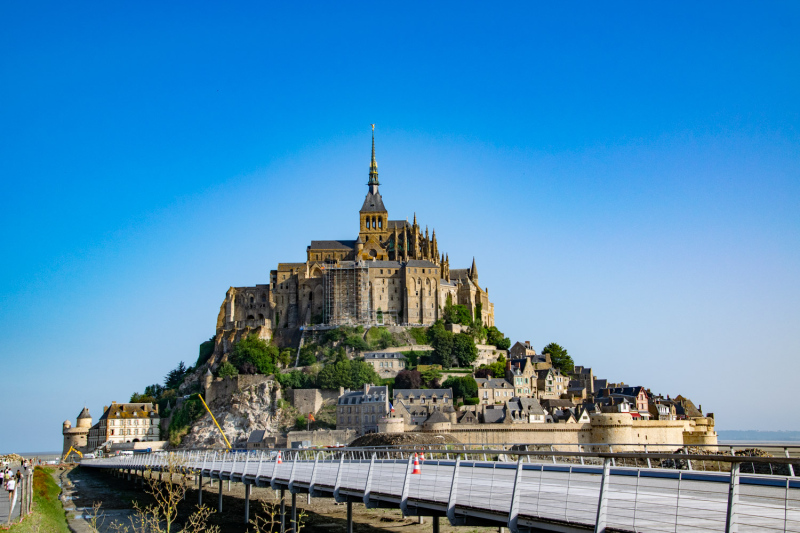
point(606, 428)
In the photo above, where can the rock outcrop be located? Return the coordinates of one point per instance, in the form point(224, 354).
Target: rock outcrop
point(246, 410)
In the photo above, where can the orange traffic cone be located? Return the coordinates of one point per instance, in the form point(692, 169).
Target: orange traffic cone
point(279, 458)
point(416, 466)
point(422, 457)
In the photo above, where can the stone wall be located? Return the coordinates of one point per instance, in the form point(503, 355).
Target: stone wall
point(322, 437)
point(305, 400)
point(223, 388)
point(658, 435)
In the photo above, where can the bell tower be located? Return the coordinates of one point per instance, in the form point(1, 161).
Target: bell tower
point(373, 217)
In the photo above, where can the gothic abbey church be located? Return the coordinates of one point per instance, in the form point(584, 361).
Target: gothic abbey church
point(390, 274)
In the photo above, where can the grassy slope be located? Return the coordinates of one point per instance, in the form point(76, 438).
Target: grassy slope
point(48, 513)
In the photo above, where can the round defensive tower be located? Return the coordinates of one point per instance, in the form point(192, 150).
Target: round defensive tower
point(611, 428)
point(394, 424)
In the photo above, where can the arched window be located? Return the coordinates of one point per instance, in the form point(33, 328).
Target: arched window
point(263, 297)
point(380, 223)
point(250, 317)
point(252, 299)
point(260, 316)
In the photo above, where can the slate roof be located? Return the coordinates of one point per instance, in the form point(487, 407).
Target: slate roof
point(84, 414)
point(399, 224)
point(493, 383)
point(437, 418)
point(384, 355)
point(530, 405)
point(130, 410)
point(256, 436)
point(382, 264)
point(333, 245)
point(467, 417)
point(557, 404)
point(358, 397)
point(373, 203)
point(493, 416)
point(459, 273)
point(428, 393)
point(421, 263)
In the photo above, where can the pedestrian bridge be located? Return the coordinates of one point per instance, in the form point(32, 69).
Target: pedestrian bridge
point(521, 490)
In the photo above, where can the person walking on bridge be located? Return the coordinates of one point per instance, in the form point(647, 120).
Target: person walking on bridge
point(11, 487)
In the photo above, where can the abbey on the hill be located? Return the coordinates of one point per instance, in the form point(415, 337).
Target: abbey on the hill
point(391, 273)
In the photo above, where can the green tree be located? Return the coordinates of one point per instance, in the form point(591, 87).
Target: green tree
point(206, 350)
point(464, 387)
point(431, 377)
point(348, 374)
point(227, 370)
point(155, 390)
point(442, 342)
point(362, 373)
point(356, 342)
point(559, 357)
point(464, 349)
point(175, 376)
point(141, 398)
point(457, 314)
point(285, 358)
point(297, 379)
point(495, 336)
point(257, 352)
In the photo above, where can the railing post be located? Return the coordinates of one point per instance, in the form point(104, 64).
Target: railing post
point(272, 482)
point(368, 484)
point(688, 461)
point(611, 450)
point(258, 470)
point(731, 520)
point(244, 470)
point(602, 503)
point(291, 474)
point(580, 449)
point(338, 482)
point(406, 484)
point(313, 476)
point(554, 455)
point(451, 501)
point(648, 459)
point(790, 465)
point(513, 512)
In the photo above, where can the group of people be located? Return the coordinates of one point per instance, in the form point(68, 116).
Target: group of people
point(10, 480)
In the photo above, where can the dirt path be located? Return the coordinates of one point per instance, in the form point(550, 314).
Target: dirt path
point(85, 486)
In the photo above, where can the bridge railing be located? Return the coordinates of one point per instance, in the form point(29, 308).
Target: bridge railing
point(654, 491)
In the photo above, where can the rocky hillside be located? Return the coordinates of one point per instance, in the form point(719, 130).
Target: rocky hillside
point(246, 410)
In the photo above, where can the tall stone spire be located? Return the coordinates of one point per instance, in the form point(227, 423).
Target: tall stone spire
point(473, 272)
point(373, 167)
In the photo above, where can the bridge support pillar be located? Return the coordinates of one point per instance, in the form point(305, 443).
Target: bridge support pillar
point(435, 521)
point(349, 516)
point(283, 510)
point(129, 474)
point(246, 503)
point(421, 519)
point(200, 489)
point(219, 503)
point(294, 512)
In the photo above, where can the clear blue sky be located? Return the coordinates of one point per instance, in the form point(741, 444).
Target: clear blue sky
point(627, 177)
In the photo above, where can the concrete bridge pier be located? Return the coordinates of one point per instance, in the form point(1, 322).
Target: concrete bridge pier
point(435, 521)
point(200, 489)
point(246, 503)
point(283, 511)
point(219, 503)
point(349, 516)
point(129, 474)
point(294, 512)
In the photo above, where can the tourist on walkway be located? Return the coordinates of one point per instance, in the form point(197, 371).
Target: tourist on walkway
point(11, 486)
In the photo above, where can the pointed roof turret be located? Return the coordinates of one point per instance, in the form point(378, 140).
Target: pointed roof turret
point(84, 414)
point(473, 272)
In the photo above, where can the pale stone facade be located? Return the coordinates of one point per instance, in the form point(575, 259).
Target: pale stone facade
point(126, 422)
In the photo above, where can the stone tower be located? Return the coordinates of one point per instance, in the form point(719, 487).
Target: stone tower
point(77, 437)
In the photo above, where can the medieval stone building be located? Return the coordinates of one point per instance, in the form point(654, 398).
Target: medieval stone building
point(393, 272)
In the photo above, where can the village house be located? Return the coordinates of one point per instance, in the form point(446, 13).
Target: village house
point(551, 383)
point(521, 350)
point(522, 375)
point(494, 390)
point(362, 410)
point(386, 364)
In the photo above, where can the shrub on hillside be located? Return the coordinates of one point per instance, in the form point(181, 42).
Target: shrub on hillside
point(227, 370)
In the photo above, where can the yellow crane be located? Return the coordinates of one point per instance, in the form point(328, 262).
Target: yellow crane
point(71, 449)
point(215, 421)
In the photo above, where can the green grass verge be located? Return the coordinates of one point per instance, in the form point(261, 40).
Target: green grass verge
point(48, 514)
